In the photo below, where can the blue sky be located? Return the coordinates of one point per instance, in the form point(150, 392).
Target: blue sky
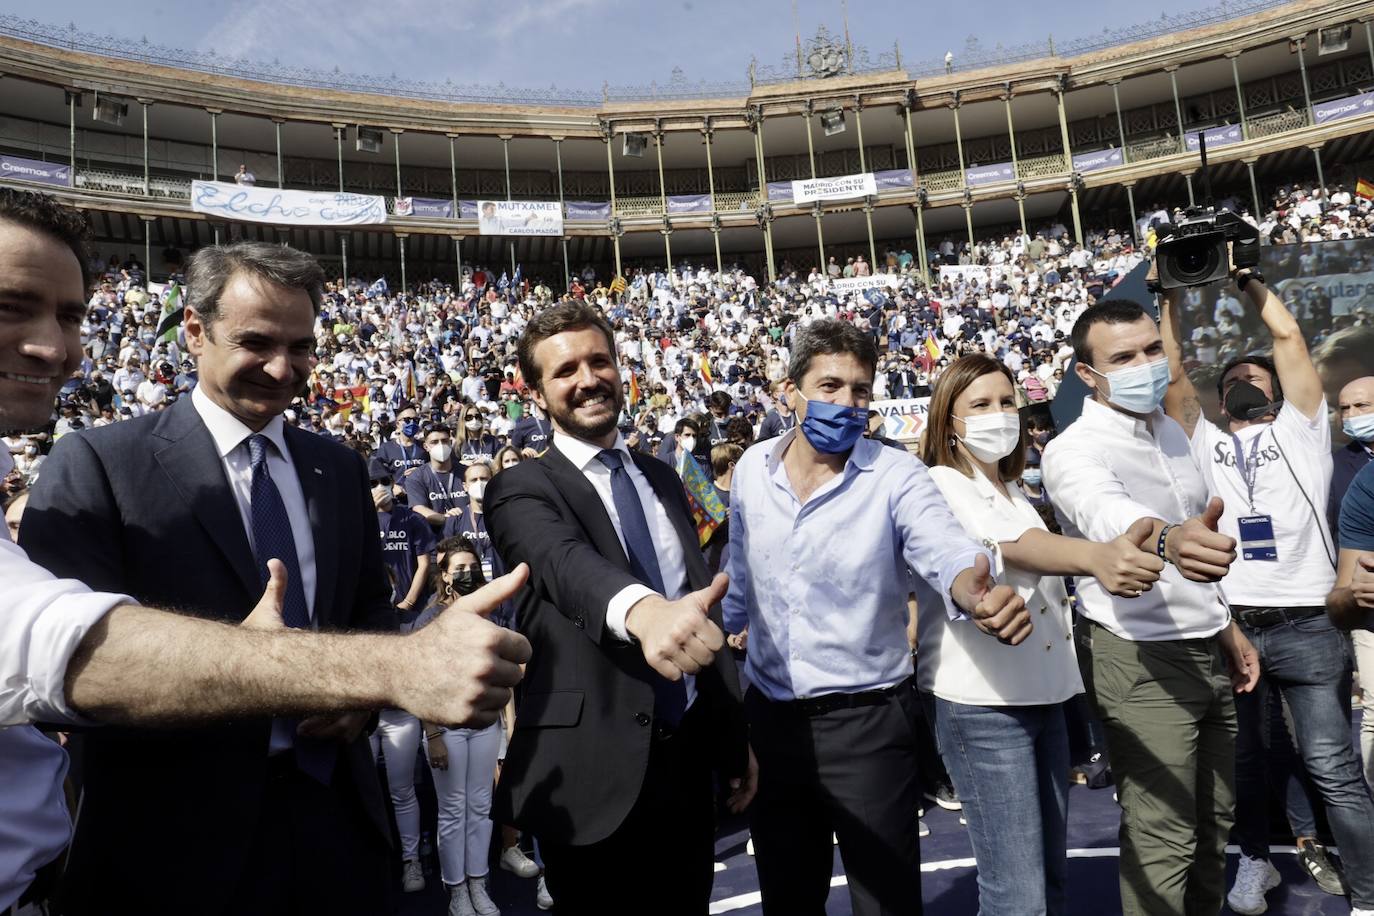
point(574, 43)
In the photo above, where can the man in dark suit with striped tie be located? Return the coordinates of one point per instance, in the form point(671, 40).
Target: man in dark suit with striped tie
point(182, 509)
point(630, 701)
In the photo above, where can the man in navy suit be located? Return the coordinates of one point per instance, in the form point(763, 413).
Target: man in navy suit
point(631, 700)
point(183, 508)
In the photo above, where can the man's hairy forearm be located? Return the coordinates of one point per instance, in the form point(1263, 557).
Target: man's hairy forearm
point(1344, 611)
point(149, 667)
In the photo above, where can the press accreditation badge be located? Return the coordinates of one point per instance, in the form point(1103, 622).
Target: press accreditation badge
point(1257, 537)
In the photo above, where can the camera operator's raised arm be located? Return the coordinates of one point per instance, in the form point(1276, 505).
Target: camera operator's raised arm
point(1181, 402)
point(1302, 387)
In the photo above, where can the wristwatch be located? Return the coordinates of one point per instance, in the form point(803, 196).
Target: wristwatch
point(1249, 274)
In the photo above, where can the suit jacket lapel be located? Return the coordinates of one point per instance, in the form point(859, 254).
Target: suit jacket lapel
point(189, 458)
point(587, 507)
point(321, 495)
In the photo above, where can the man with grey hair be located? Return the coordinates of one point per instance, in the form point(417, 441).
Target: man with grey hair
point(184, 508)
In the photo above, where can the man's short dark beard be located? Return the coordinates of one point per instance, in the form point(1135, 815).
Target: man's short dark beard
point(574, 427)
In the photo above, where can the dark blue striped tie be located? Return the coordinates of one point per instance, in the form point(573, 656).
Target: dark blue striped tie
point(272, 539)
point(670, 697)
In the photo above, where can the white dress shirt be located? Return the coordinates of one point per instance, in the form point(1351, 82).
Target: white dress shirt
point(231, 442)
point(959, 662)
point(672, 564)
point(1104, 472)
point(43, 622)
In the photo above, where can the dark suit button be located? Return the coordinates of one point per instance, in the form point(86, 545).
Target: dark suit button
point(642, 718)
point(579, 623)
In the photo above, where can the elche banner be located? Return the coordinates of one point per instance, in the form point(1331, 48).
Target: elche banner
point(850, 286)
point(519, 217)
point(1098, 159)
point(285, 208)
point(842, 187)
point(1216, 136)
point(18, 168)
point(1340, 109)
point(903, 419)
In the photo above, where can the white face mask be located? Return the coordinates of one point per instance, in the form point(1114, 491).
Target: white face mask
point(477, 488)
point(688, 443)
point(441, 452)
point(474, 424)
point(991, 437)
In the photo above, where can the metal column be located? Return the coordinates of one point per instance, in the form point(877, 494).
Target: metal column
point(817, 210)
point(281, 171)
point(558, 157)
point(911, 159)
point(1240, 95)
point(963, 171)
point(72, 96)
point(214, 142)
point(863, 167)
point(343, 239)
point(457, 209)
point(1015, 167)
point(1301, 42)
point(1120, 124)
point(607, 135)
point(505, 153)
point(401, 248)
point(396, 147)
point(1254, 188)
point(1321, 178)
point(1130, 203)
point(663, 200)
point(707, 131)
point(756, 124)
point(1060, 90)
point(144, 103)
point(1182, 141)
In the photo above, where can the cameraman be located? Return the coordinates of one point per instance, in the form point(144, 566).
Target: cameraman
point(1271, 466)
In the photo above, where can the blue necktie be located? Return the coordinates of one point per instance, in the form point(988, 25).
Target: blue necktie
point(272, 539)
point(670, 697)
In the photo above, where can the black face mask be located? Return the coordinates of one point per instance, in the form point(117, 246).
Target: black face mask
point(467, 582)
point(1246, 402)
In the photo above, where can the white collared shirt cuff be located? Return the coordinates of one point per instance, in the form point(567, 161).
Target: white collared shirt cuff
point(618, 608)
point(56, 635)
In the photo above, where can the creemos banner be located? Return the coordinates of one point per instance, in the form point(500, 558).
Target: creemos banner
point(21, 169)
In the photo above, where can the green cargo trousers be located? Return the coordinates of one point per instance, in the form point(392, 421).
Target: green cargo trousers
point(1170, 720)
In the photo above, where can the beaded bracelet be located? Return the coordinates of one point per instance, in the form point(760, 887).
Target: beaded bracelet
point(1159, 546)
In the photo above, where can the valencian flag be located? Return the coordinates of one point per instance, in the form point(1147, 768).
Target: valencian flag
point(1364, 188)
point(172, 310)
point(708, 512)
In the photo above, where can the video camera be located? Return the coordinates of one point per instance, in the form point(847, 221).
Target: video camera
point(1193, 252)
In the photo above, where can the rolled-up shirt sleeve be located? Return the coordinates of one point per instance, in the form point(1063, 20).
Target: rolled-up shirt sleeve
point(1088, 494)
point(933, 542)
point(43, 621)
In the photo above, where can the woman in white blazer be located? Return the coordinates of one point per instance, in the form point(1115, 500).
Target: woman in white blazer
point(999, 715)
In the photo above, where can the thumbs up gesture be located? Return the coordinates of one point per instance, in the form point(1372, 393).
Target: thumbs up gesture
point(1199, 551)
point(267, 614)
point(996, 609)
point(1127, 566)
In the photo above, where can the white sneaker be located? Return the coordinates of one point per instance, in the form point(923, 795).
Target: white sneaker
point(412, 879)
point(542, 898)
point(514, 860)
point(481, 901)
point(459, 903)
point(1254, 878)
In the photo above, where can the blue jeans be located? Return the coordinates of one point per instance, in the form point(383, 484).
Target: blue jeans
point(1010, 766)
point(1309, 663)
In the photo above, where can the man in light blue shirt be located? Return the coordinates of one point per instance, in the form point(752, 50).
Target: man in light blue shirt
point(824, 527)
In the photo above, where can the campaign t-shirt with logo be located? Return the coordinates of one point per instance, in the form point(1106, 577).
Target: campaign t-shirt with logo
point(531, 432)
point(401, 458)
point(473, 526)
point(440, 491)
point(405, 538)
point(1287, 490)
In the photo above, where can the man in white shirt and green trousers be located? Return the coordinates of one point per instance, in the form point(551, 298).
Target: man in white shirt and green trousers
point(1165, 662)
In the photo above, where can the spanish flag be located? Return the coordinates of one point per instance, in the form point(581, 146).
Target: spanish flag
point(1364, 188)
point(931, 346)
point(634, 390)
point(706, 371)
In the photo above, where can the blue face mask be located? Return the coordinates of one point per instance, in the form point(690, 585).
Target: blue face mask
point(1360, 428)
point(410, 429)
point(833, 428)
point(1032, 476)
point(1138, 389)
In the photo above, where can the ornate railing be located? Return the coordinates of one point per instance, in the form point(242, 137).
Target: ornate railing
point(1041, 166)
point(947, 180)
point(1152, 149)
point(821, 57)
point(1279, 123)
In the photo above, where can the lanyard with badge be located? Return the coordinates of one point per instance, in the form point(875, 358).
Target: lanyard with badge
point(1256, 530)
point(445, 489)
